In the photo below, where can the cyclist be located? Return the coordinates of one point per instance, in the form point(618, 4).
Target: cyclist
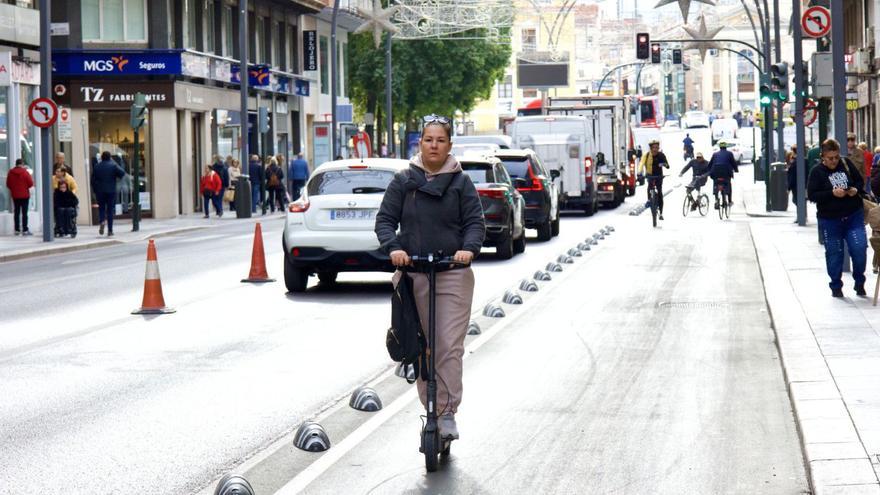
point(688, 147)
point(700, 168)
point(722, 166)
point(650, 166)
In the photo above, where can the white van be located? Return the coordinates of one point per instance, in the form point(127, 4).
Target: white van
point(563, 143)
point(724, 129)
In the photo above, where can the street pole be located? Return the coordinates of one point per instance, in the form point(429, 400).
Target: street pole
point(243, 188)
point(334, 71)
point(768, 118)
point(388, 116)
point(838, 70)
point(780, 121)
point(136, 186)
point(45, 135)
point(799, 87)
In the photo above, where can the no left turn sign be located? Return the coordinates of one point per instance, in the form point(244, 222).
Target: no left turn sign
point(816, 22)
point(43, 112)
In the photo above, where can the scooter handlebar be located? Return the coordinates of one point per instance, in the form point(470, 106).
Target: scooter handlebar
point(437, 261)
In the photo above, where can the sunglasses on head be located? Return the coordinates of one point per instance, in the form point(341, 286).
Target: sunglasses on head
point(434, 118)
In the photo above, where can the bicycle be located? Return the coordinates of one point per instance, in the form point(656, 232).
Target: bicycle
point(724, 207)
point(690, 204)
point(653, 198)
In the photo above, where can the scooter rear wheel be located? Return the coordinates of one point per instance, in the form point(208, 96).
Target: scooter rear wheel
point(430, 444)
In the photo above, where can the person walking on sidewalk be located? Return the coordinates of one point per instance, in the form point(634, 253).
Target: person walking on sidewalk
point(437, 208)
point(834, 187)
point(65, 210)
point(234, 173)
point(210, 187)
point(299, 174)
point(255, 170)
point(19, 182)
point(275, 185)
point(104, 177)
point(222, 171)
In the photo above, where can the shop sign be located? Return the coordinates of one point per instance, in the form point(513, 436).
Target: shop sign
point(864, 94)
point(5, 68)
point(281, 106)
point(222, 70)
point(195, 65)
point(117, 63)
point(101, 95)
point(852, 100)
point(64, 125)
point(258, 75)
point(204, 98)
point(310, 50)
point(26, 72)
point(302, 88)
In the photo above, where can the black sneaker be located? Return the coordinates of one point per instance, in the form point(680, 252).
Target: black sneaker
point(17, 232)
point(661, 216)
point(717, 206)
point(101, 229)
point(860, 290)
point(27, 232)
point(836, 292)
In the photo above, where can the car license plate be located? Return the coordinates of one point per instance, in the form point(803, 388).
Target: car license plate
point(353, 214)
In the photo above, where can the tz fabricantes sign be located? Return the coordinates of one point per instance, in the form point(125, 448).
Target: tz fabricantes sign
point(109, 95)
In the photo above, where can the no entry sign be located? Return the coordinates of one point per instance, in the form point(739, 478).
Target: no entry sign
point(816, 22)
point(43, 112)
point(810, 112)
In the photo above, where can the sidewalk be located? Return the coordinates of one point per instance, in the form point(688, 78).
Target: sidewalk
point(830, 350)
point(20, 247)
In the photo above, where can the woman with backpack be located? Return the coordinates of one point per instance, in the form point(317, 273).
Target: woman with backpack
point(834, 187)
point(275, 185)
point(437, 210)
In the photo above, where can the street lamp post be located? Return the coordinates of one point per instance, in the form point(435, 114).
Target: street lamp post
point(780, 122)
point(334, 68)
point(45, 136)
point(243, 202)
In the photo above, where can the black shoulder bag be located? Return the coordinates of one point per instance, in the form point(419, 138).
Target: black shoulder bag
point(405, 339)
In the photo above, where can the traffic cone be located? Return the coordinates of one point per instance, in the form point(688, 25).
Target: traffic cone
point(258, 272)
point(153, 303)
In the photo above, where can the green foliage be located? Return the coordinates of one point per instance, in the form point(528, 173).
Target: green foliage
point(428, 76)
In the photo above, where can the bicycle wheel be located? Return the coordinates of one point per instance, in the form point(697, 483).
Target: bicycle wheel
point(704, 205)
point(654, 208)
point(727, 206)
point(720, 207)
point(686, 206)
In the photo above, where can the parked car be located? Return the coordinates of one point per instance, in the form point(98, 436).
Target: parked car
point(695, 119)
point(503, 206)
point(503, 142)
point(330, 228)
point(479, 149)
point(535, 183)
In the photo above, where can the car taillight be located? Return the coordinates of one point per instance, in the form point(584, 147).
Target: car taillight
point(357, 167)
point(294, 252)
point(588, 167)
point(298, 206)
point(492, 193)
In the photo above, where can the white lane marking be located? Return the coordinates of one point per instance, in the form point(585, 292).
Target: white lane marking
point(328, 459)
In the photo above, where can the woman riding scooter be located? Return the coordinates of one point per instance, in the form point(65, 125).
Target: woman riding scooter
point(437, 210)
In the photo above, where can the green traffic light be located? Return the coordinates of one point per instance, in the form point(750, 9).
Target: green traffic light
point(765, 100)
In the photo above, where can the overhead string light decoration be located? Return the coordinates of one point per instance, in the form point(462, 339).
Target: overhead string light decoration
point(702, 34)
point(454, 19)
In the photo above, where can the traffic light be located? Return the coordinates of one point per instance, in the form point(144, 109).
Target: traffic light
point(642, 48)
point(766, 94)
point(676, 56)
point(138, 111)
point(779, 81)
point(655, 53)
point(759, 120)
point(263, 120)
point(805, 90)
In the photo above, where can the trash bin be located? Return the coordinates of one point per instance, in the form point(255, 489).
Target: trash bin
point(778, 185)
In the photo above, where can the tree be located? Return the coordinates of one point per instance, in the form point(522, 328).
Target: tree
point(428, 76)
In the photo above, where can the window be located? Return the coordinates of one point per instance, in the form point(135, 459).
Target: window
point(260, 37)
point(114, 20)
point(189, 33)
point(291, 49)
point(272, 48)
point(283, 59)
point(345, 68)
point(228, 31)
point(325, 65)
point(209, 26)
point(530, 93)
point(529, 40)
point(505, 87)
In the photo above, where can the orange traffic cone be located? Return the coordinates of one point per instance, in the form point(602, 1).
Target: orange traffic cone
point(258, 272)
point(154, 303)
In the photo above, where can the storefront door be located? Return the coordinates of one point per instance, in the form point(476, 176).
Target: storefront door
point(111, 131)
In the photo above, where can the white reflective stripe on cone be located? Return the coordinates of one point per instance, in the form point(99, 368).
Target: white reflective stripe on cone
point(152, 270)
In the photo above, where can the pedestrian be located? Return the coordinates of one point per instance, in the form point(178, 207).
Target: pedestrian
point(234, 173)
point(275, 185)
point(60, 162)
point(222, 171)
point(855, 154)
point(210, 187)
point(791, 172)
point(255, 170)
point(834, 187)
point(436, 208)
point(299, 174)
point(60, 175)
point(104, 177)
point(65, 202)
point(875, 171)
point(19, 182)
point(868, 159)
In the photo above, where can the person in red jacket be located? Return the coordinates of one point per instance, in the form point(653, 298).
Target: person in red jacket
point(210, 186)
point(19, 182)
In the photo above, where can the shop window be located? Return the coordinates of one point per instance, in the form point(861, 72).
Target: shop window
point(114, 20)
point(325, 65)
point(110, 131)
point(209, 26)
point(5, 200)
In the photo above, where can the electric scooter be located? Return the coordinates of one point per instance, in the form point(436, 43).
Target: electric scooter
point(431, 443)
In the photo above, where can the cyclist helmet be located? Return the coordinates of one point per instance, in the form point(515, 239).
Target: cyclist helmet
point(722, 144)
point(653, 142)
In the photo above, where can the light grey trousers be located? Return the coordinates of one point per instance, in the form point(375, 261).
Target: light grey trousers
point(455, 293)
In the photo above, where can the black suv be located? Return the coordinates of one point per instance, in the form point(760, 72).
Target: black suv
point(503, 206)
point(536, 185)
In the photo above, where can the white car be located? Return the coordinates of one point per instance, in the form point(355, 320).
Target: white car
point(734, 147)
point(695, 119)
point(475, 149)
point(330, 228)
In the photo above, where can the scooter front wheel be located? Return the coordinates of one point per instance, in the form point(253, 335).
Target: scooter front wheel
point(430, 446)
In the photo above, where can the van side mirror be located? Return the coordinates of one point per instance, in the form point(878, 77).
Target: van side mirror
point(554, 174)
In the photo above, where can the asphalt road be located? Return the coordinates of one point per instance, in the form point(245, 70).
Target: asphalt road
point(651, 368)
point(97, 400)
